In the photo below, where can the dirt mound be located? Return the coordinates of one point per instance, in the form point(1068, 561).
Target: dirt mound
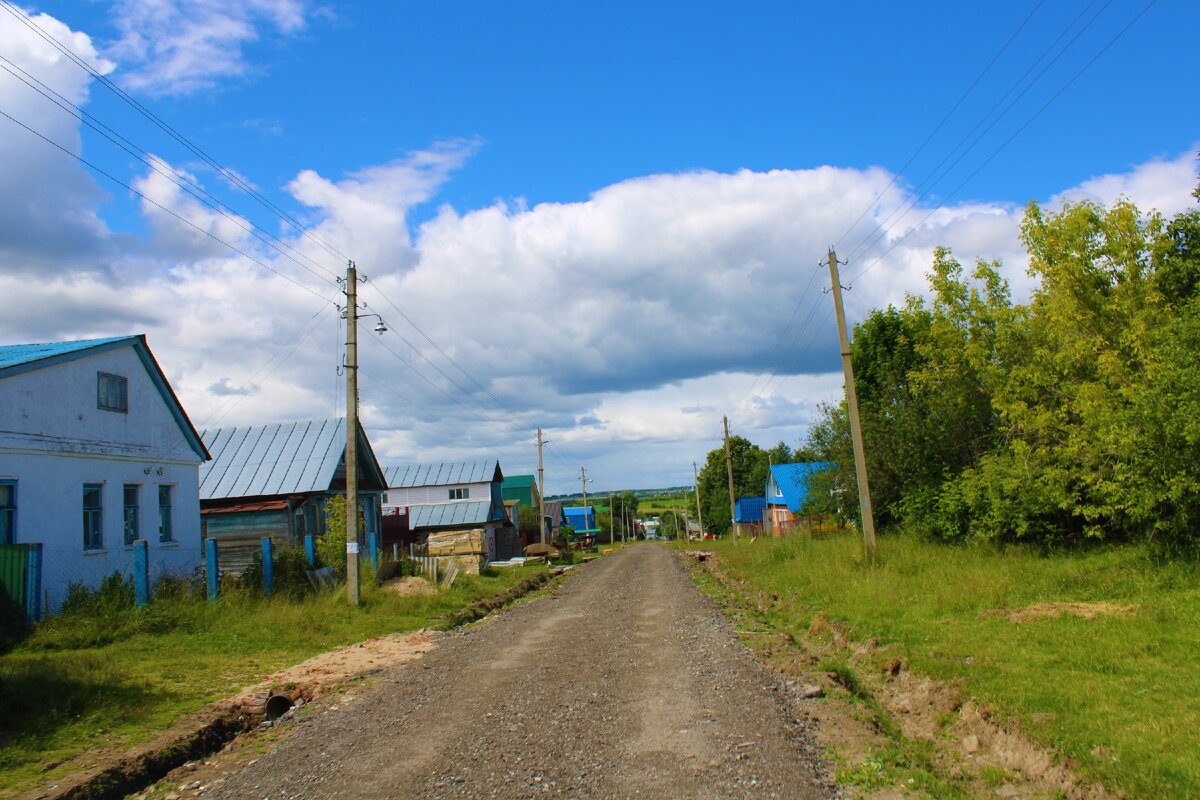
point(409, 585)
point(1088, 611)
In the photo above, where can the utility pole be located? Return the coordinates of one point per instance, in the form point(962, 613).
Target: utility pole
point(612, 519)
point(860, 458)
point(729, 472)
point(699, 513)
point(352, 593)
point(541, 491)
point(583, 484)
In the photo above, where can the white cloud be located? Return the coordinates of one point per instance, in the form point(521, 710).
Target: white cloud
point(1164, 185)
point(172, 47)
point(626, 325)
point(50, 204)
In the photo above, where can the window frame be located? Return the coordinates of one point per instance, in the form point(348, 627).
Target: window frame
point(166, 532)
point(131, 513)
point(9, 511)
point(102, 396)
point(94, 515)
point(464, 493)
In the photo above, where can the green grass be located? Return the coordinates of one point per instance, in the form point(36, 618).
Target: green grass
point(86, 680)
point(1127, 684)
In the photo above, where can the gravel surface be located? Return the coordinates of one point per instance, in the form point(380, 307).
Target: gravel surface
point(625, 683)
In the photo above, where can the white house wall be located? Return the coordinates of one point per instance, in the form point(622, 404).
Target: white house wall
point(54, 439)
point(428, 495)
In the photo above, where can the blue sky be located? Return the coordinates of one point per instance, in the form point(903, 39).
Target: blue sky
point(622, 165)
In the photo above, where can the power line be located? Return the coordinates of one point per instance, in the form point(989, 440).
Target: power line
point(1015, 134)
point(230, 175)
point(180, 179)
point(158, 205)
point(938, 127)
point(926, 186)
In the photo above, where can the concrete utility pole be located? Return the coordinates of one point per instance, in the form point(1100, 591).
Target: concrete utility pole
point(612, 519)
point(699, 513)
point(729, 471)
point(541, 491)
point(583, 484)
point(352, 593)
point(860, 458)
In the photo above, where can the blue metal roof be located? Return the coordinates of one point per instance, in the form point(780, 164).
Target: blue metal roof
point(289, 458)
point(12, 355)
point(787, 483)
point(749, 509)
point(16, 359)
point(484, 471)
point(581, 517)
point(436, 515)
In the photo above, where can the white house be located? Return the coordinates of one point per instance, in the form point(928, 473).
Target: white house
point(96, 452)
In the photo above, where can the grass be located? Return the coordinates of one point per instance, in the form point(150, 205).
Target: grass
point(73, 684)
point(1119, 694)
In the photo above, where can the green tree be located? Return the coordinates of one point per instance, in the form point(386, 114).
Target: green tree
point(749, 479)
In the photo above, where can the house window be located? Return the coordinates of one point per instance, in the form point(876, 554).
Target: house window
point(132, 529)
point(93, 531)
point(112, 393)
point(8, 512)
point(460, 494)
point(166, 533)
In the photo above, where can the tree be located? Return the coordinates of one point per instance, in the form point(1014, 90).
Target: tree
point(749, 479)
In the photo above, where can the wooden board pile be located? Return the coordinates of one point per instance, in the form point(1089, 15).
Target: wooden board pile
point(468, 549)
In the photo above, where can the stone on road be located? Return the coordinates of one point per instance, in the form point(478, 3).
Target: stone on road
point(625, 683)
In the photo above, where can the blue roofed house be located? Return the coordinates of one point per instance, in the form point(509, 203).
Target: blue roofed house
point(581, 518)
point(785, 493)
point(750, 512)
point(96, 452)
point(276, 480)
point(467, 495)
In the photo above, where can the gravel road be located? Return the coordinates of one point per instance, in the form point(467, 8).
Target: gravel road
point(625, 683)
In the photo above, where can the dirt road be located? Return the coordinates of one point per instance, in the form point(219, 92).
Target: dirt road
point(626, 683)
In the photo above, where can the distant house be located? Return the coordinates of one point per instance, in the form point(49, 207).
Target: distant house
point(276, 481)
point(785, 492)
point(427, 498)
point(750, 512)
point(556, 518)
point(96, 452)
point(581, 518)
point(522, 488)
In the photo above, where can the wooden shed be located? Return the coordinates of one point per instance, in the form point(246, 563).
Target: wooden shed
point(276, 480)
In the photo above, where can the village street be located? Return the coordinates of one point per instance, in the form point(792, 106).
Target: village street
point(627, 682)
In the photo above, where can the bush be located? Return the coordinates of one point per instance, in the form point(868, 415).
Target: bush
point(290, 573)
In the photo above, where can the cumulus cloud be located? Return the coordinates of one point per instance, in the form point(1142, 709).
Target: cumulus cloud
point(173, 47)
point(50, 204)
point(626, 325)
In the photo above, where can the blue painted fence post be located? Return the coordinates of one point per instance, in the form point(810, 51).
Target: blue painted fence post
point(33, 582)
point(211, 569)
point(141, 573)
point(268, 562)
point(373, 548)
point(310, 550)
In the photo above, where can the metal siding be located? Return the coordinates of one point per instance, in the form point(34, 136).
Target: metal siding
point(266, 461)
point(233, 456)
point(457, 513)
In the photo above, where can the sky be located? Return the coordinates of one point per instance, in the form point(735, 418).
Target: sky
point(606, 220)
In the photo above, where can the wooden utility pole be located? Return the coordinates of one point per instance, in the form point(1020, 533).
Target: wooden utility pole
point(729, 472)
point(699, 513)
point(541, 491)
point(352, 592)
point(612, 519)
point(860, 458)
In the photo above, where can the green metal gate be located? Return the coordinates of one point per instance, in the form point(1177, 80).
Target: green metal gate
point(13, 575)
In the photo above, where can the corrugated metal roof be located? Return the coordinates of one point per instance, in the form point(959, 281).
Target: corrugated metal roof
point(441, 474)
point(12, 355)
point(471, 512)
point(791, 480)
point(260, 460)
point(749, 509)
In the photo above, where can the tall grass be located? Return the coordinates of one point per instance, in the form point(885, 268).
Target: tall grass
point(105, 672)
point(1120, 694)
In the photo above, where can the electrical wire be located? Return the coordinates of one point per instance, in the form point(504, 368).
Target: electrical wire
point(100, 171)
